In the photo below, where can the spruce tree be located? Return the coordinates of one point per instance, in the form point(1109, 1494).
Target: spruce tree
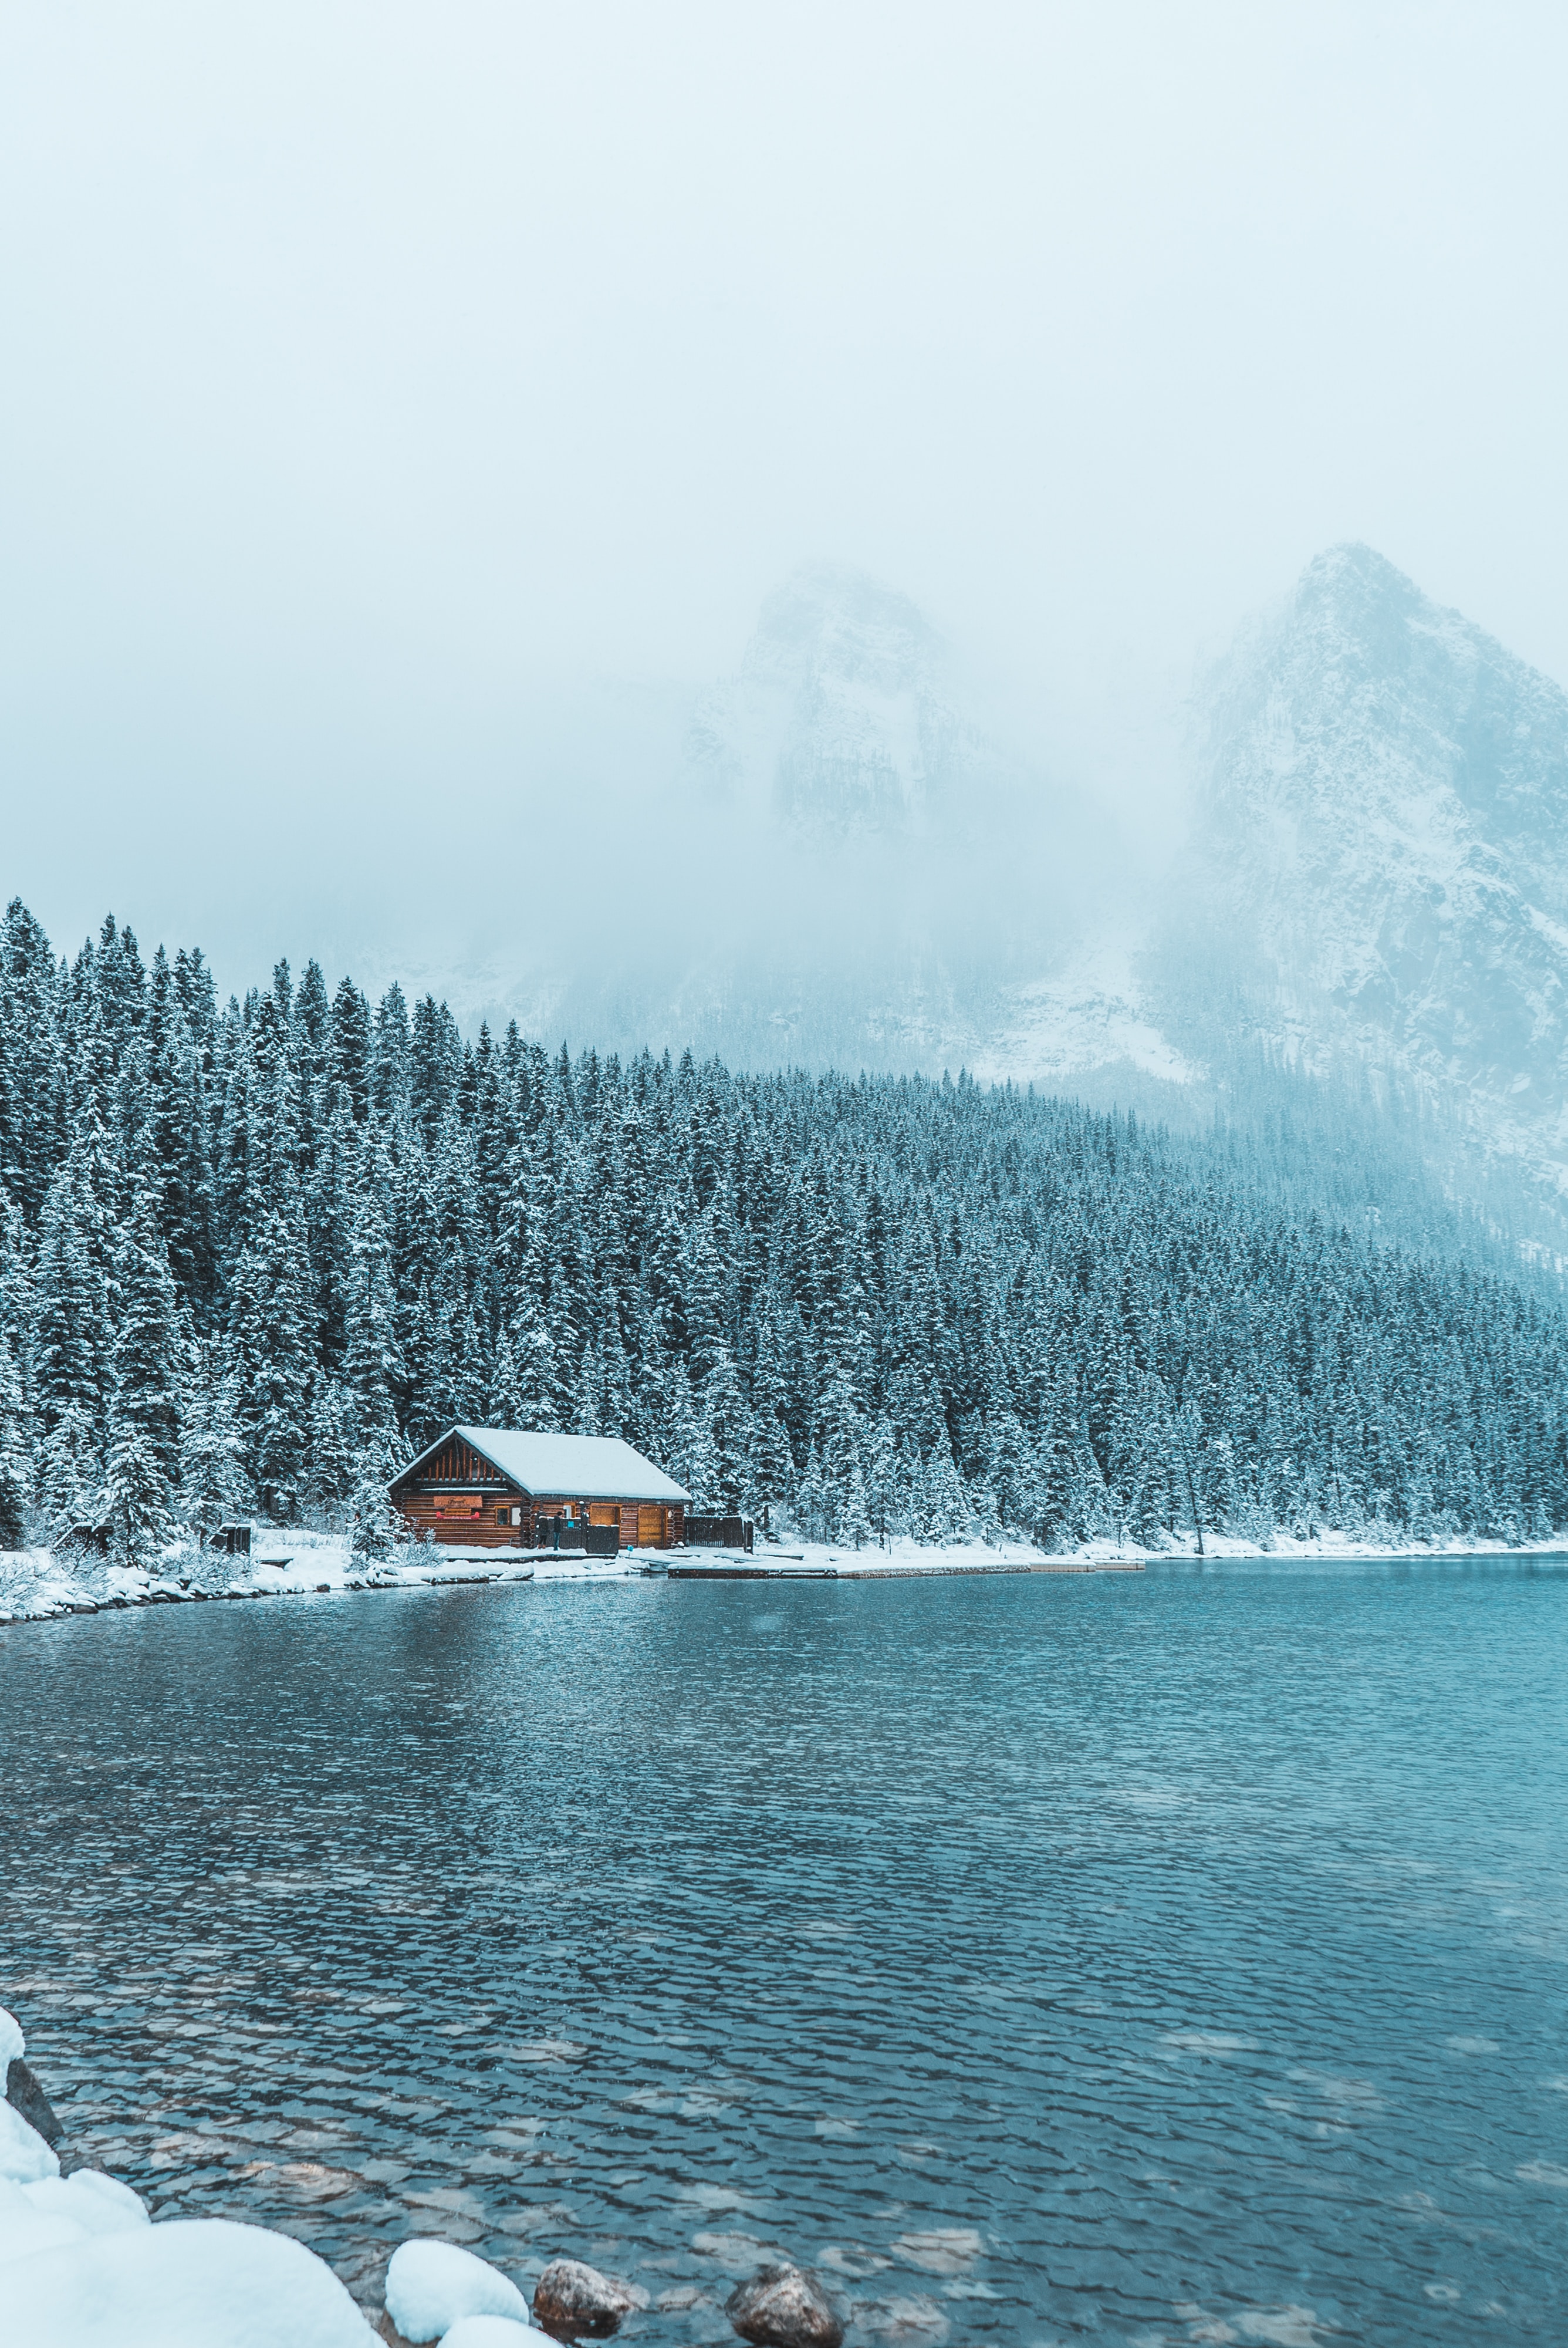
point(213, 1483)
point(270, 1348)
point(334, 1459)
point(147, 1364)
point(370, 1368)
point(15, 1453)
point(71, 1471)
point(727, 1434)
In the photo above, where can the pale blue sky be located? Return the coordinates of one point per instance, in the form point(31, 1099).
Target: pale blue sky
point(375, 372)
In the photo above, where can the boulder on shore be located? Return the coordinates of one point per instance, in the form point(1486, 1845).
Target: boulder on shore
point(783, 2307)
point(576, 2301)
point(24, 2094)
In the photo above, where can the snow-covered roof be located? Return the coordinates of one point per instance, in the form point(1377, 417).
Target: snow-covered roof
point(567, 1466)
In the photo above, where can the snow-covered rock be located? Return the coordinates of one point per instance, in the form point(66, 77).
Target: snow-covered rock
point(24, 2157)
point(24, 2095)
point(191, 2283)
point(54, 2210)
point(95, 2203)
point(431, 2286)
point(24, 2154)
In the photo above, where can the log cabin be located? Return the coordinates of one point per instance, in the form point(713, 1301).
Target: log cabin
point(494, 1487)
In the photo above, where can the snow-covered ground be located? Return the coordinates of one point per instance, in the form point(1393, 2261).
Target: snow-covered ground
point(35, 1584)
point(284, 1561)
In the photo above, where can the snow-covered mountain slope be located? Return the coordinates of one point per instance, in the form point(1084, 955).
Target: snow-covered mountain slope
point(1382, 847)
point(1099, 1015)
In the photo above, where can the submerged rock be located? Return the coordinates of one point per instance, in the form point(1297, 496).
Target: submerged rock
point(783, 2307)
point(576, 2301)
point(24, 2094)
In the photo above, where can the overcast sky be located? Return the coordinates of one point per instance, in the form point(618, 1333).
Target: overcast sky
point(373, 374)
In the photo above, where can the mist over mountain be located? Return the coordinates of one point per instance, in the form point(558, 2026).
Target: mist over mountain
point(849, 862)
point(1368, 922)
point(848, 720)
point(1375, 890)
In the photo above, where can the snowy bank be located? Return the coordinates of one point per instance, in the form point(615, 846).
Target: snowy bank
point(36, 1585)
point(287, 1562)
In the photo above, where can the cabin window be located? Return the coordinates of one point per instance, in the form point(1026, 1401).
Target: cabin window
point(503, 1515)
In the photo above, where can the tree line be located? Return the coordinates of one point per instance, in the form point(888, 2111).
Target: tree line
point(255, 1254)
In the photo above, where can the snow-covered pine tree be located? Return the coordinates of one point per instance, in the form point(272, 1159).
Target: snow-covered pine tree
point(371, 1367)
point(71, 1471)
point(533, 1377)
point(916, 1273)
point(851, 1511)
point(503, 1406)
point(270, 1350)
point(148, 1363)
point(15, 1453)
point(72, 1338)
point(213, 1483)
point(880, 1456)
point(727, 1434)
point(333, 1464)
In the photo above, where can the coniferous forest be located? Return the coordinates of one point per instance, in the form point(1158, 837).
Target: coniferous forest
point(256, 1253)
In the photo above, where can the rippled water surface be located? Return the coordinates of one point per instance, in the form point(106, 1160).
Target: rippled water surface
point(1158, 1958)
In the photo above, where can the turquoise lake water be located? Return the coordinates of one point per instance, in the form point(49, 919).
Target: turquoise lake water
point(1147, 1958)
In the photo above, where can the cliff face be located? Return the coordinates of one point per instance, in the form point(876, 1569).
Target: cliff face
point(846, 721)
point(1383, 837)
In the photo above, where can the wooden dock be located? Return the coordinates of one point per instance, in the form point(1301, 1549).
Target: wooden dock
point(764, 1569)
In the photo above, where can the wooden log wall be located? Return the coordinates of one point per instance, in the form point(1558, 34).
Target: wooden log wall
point(481, 1517)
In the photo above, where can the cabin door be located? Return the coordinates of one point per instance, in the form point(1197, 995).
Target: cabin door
point(650, 1528)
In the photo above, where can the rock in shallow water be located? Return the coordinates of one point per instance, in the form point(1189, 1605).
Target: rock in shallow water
point(576, 2301)
point(783, 2307)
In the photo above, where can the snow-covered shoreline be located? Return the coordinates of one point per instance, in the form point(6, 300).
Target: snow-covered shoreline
point(37, 1586)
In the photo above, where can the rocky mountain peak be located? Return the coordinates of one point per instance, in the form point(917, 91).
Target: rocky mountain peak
point(1385, 823)
point(828, 619)
point(845, 719)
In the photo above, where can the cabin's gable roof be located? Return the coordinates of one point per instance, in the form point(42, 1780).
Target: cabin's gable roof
point(567, 1466)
